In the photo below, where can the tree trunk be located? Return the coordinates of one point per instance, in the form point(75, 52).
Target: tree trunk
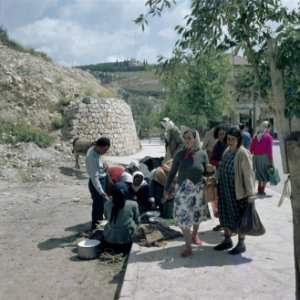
point(290, 152)
point(293, 154)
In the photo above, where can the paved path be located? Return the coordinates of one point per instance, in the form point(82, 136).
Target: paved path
point(265, 271)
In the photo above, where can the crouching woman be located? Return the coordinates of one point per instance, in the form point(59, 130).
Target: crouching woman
point(123, 217)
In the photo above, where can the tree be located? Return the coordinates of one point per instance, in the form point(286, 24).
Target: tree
point(246, 26)
point(197, 88)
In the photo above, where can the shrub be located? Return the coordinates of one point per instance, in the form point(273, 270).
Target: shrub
point(62, 104)
point(57, 123)
point(13, 134)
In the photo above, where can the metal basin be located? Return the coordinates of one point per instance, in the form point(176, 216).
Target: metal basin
point(87, 249)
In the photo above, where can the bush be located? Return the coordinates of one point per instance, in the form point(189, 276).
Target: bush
point(13, 134)
point(62, 104)
point(57, 123)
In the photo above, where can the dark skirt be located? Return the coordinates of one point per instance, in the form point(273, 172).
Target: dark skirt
point(230, 210)
point(261, 164)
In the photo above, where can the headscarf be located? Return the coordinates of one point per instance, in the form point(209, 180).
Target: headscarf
point(196, 145)
point(126, 177)
point(262, 130)
point(119, 196)
point(168, 125)
point(137, 187)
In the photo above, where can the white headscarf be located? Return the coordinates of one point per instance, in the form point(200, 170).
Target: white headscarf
point(137, 187)
point(262, 130)
point(196, 145)
point(126, 177)
point(167, 123)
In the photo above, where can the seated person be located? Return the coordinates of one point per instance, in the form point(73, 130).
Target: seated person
point(115, 173)
point(126, 178)
point(134, 165)
point(123, 217)
point(139, 191)
point(158, 182)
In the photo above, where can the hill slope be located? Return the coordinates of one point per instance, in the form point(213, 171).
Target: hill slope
point(32, 89)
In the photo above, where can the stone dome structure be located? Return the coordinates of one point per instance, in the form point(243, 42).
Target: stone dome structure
point(111, 117)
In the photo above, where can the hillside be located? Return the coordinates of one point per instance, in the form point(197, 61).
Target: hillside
point(32, 90)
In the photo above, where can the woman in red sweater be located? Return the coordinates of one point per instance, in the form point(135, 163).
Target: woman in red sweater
point(261, 149)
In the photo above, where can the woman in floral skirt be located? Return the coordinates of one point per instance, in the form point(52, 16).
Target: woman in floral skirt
point(189, 206)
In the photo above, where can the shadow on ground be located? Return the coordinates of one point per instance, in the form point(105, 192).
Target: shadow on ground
point(203, 256)
point(79, 174)
point(80, 230)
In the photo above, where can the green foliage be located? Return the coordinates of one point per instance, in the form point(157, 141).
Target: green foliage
point(57, 123)
point(197, 87)
point(125, 66)
point(62, 104)
point(246, 26)
point(5, 40)
point(12, 134)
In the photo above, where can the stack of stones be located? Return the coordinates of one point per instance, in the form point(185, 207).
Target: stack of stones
point(92, 118)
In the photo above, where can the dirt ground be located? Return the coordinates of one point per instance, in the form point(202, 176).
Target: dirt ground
point(45, 208)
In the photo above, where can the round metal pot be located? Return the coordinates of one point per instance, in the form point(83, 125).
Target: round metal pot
point(87, 249)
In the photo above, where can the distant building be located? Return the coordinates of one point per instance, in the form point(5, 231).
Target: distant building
point(134, 62)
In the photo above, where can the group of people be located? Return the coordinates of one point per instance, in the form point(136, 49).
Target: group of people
point(121, 194)
point(180, 177)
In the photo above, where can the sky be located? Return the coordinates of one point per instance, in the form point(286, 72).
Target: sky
point(81, 32)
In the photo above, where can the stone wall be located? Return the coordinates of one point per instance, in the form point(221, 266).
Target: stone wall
point(92, 118)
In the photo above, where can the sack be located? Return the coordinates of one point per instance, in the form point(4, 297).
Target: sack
point(210, 190)
point(250, 223)
point(273, 175)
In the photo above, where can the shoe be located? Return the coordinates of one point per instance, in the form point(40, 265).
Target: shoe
point(237, 250)
point(217, 228)
point(186, 253)
point(196, 241)
point(224, 246)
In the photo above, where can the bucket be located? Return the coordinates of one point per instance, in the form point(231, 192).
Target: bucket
point(87, 249)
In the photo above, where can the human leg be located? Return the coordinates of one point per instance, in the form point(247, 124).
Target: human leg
point(227, 242)
point(240, 246)
point(97, 206)
point(195, 237)
point(188, 241)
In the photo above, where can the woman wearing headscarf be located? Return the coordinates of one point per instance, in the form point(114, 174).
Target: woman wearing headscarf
point(123, 217)
point(261, 149)
point(190, 208)
point(173, 138)
point(139, 191)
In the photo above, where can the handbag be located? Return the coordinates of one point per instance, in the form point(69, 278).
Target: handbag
point(210, 190)
point(273, 175)
point(250, 223)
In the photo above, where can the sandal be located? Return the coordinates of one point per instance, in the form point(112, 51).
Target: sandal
point(196, 241)
point(186, 253)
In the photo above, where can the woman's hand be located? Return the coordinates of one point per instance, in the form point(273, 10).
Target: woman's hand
point(210, 168)
point(251, 199)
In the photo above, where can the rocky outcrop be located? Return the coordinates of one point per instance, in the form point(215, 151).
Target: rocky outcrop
point(33, 89)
